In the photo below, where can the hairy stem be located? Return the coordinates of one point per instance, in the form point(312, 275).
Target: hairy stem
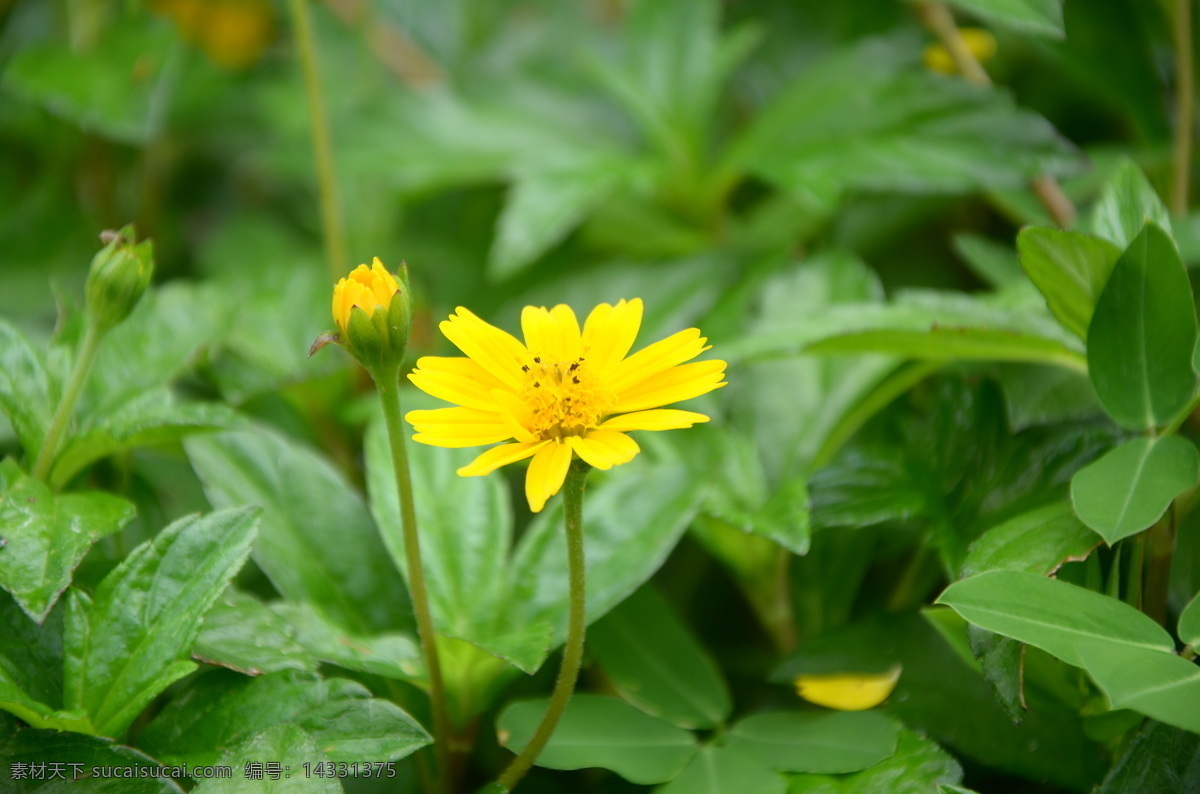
point(331, 216)
point(387, 381)
point(576, 626)
point(62, 415)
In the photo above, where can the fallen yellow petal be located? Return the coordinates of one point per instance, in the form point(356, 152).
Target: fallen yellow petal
point(848, 691)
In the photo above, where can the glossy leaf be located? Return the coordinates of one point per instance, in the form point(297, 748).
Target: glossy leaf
point(1143, 333)
point(27, 395)
point(79, 755)
point(601, 732)
point(1038, 542)
point(655, 663)
point(1037, 395)
point(390, 654)
point(1160, 758)
point(725, 770)
point(1070, 268)
point(1189, 622)
point(285, 744)
point(1127, 202)
point(1159, 685)
point(317, 543)
point(916, 767)
point(1131, 487)
point(1054, 616)
point(31, 670)
point(244, 634)
point(222, 710)
point(1042, 17)
point(47, 535)
point(818, 742)
point(133, 638)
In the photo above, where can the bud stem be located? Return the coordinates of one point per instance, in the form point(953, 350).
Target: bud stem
point(387, 382)
point(62, 415)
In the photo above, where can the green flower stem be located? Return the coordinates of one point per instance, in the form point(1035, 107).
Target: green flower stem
point(1185, 108)
point(62, 415)
point(331, 217)
point(387, 381)
point(576, 627)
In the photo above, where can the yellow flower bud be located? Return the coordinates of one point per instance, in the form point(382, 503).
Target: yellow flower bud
point(980, 43)
point(373, 313)
point(118, 277)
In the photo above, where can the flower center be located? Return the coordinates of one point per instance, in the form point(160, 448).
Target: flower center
point(564, 398)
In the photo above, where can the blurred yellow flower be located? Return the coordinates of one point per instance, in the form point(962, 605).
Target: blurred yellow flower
point(365, 287)
point(563, 392)
point(980, 42)
point(848, 691)
point(232, 33)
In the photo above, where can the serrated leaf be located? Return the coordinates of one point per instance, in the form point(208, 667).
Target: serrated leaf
point(75, 757)
point(817, 742)
point(390, 654)
point(27, 395)
point(1143, 333)
point(1127, 202)
point(31, 670)
point(244, 634)
point(1037, 542)
point(917, 765)
point(222, 710)
point(654, 662)
point(1160, 758)
point(317, 543)
point(46, 536)
point(287, 745)
point(601, 732)
point(1070, 269)
point(132, 640)
point(725, 770)
point(1131, 487)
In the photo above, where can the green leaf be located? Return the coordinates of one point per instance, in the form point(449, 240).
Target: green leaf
point(1070, 269)
point(287, 745)
point(31, 671)
point(317, 543)
point(1159, 685)
point(1052, 615)
point(1126, 204)
point(152, 419)
point(827, 742)
point(601, 732)
point(1160, 758)
point(1040, 17)
point(46, 536)
point(1036, 395)
point(26, 394)
point(1037, 542)
point(1001, 661)
point(244, 634)
point(725, 770)
point(132, 640)
point(77, 756)
point(865, 118)
point(654, 662)
point(1131, 487)
point(917, 766)
point(994, 263)
point(221, 710)
point(1143, 333)
point(1189, 623)
point(390, 654)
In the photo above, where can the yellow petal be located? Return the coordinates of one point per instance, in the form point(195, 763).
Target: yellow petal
point(848, 691)
point(496, 351)
point(605, 448)
point(650, 361)
point(552, 334)
point(457, 380)
point(673, 385)
point(546, 474)
point(660, 419)
point(609, 333)
point(496, 457)
point(458, 427)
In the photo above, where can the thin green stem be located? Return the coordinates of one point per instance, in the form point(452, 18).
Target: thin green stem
point(576, 627)
point(331, 216)
point(1185, 108)
point(62, 415)
point(1160, 551)
point(387, 381)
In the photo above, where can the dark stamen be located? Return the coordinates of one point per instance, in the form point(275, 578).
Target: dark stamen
point(575, 379)
point(524, 367)
point(574, 366)
point(537, 359)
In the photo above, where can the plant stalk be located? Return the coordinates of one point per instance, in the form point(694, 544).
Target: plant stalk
point(568, 673)
point(1160, 550)
point(1185, 108)
point(62, 415)
point(331, 218)
point(387, 381)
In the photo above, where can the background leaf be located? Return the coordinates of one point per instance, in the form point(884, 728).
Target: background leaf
point(1037, 542)
point(725, 770)
point(916, 766)
point(1041, 17)
point(820, 742)
point(1070, 269)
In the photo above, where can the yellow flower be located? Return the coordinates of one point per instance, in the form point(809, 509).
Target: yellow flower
point(848, 691)
point(232, 33)
point(366, 288)
point(980, 42)
point(564, 392)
